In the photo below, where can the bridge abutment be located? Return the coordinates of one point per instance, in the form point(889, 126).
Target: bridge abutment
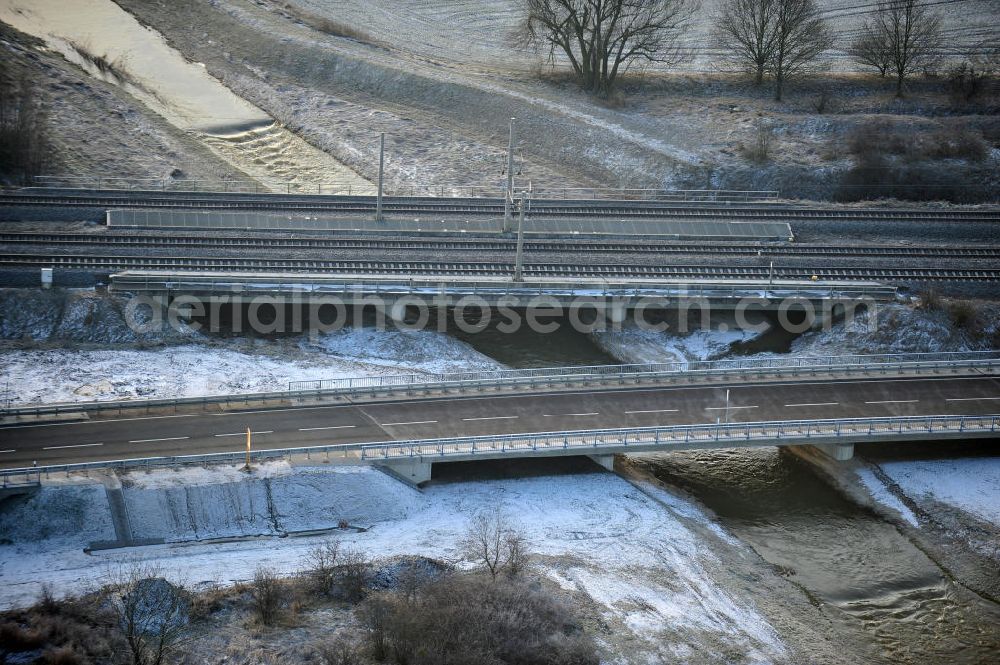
point(841, 452)
point(412, 471)
point(607, 461)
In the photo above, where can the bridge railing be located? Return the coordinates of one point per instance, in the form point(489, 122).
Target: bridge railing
point(723, 435)
point(546, 377)
point(788, 432)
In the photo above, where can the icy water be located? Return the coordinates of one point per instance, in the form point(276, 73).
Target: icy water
point(844, 557)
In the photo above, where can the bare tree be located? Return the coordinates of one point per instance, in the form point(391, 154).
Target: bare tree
point(152, 613)
point(870, 50)
point(492, 540)
point(603, 38)
point(907, 32)
point(745, 30)
point(800, 37)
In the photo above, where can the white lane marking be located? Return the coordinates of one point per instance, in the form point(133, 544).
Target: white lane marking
point(730, 408)
point(895, 401)
point(415, 422)
point(564, 415)
point(656, 411)
point(492, 418)
point(816, 404)
point(8, 451)
point(268, 431)
point(169, 438)
point(968, 399)
point(78, 445)
point(294, 408)
point(313, 429)
point(766, 384)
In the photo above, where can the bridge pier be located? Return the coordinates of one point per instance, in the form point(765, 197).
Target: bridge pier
point(607, 461)
point(841, 452)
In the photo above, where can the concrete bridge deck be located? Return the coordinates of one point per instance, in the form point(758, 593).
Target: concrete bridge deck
point(349, 426)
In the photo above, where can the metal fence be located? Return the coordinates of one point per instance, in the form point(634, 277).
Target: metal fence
point(782, 432)
point(743, 369)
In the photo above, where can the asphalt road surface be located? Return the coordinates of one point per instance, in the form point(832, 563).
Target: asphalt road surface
point(108, 439)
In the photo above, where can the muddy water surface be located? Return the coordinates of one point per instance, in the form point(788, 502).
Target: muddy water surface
point(844, 557)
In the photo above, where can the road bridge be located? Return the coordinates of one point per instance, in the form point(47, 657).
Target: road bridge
point(947, 405)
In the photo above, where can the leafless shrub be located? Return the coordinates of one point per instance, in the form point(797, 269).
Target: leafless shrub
point(327, 25)
point(16, 637)
point(353, 575)
point(822, 102)
point(338, 653)
point(872, 142)
point(64, 655)
point(67, 630)
point(268, 595)
point(930, 299)
point(759, 150)
point(322, 563)
point(965, 316)
point(470, 619)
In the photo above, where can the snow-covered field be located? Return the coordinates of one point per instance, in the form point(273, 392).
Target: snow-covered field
point(216, 367)
point(643, 555)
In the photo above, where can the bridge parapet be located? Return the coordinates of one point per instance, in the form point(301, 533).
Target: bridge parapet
point(448, 290)
point(414, 459)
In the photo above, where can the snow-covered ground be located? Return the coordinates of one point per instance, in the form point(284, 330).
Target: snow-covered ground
point(647, 561)
point(633, 344)
point(118, 368)
point(971, 484)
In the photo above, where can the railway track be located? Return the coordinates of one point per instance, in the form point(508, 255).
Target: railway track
point(471, 269)
point(492, 207)
point(498, 245)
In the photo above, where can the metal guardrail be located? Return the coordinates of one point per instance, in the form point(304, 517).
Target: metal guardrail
point(723, 435)
point(788, 432)
point(547, 377)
